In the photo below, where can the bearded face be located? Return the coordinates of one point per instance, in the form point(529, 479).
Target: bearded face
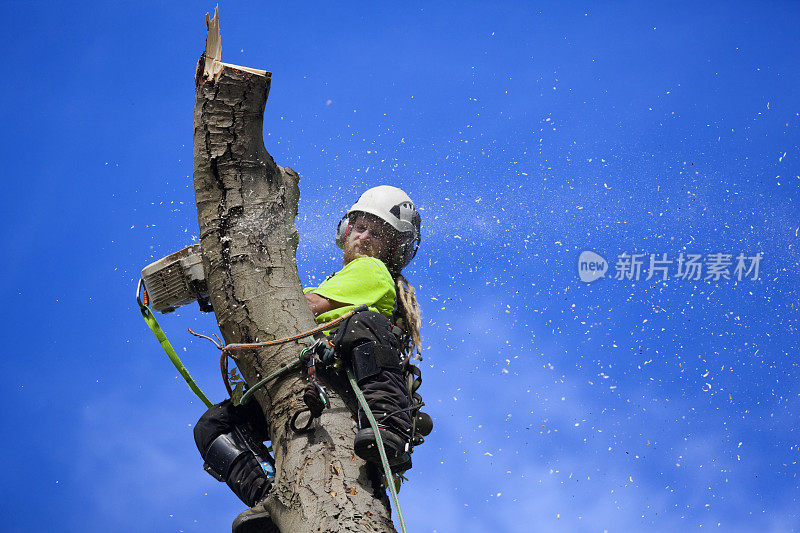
point(368, 236)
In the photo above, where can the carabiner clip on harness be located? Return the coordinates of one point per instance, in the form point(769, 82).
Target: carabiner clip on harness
point(314, 396)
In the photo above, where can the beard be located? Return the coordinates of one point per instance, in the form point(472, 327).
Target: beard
point(354, 251)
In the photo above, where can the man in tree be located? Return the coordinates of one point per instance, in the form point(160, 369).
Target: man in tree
point(380, 235)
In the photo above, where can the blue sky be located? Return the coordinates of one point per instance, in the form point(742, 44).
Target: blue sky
point(526, 133)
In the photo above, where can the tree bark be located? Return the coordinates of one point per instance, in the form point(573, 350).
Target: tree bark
point(246, 205)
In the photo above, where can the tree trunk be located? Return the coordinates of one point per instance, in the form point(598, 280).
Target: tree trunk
point(246, 205)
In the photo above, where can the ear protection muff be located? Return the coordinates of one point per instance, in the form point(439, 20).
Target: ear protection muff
point(342, 229)
point(408, 246)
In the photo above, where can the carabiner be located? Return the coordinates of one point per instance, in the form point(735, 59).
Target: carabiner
point(307, 427)
point(141, 289)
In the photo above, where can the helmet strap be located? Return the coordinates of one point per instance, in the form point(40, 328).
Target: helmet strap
point(393, 255)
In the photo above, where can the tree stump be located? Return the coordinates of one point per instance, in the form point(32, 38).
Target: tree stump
point(246, 205)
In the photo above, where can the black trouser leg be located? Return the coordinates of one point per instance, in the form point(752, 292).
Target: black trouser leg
point(366, 342)
point(386, 393)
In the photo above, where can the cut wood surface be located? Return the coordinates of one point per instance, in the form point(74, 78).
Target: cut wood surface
point(246, 205)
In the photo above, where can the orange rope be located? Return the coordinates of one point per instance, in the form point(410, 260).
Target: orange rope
point(226, 350)
point(223, 368)
point(323, 327)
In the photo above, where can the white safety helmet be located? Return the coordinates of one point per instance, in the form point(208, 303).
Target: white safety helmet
point(394, 207)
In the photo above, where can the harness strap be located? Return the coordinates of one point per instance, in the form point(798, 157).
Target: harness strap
point(152, 323)
point(416, 407)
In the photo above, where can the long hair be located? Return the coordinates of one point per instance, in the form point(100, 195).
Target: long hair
point(410, 315)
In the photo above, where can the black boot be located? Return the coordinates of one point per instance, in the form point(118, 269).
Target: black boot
point(387, 398)
point(366, 446)
point(254, 520)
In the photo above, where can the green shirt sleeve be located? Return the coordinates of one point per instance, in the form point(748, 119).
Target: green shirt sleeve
point(363, 281)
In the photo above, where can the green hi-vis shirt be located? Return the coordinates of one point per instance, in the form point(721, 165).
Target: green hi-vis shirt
point(363, 281)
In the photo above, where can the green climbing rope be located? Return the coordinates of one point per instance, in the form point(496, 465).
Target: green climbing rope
point(288, 368)
point(152, 323)
point(387, 471)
